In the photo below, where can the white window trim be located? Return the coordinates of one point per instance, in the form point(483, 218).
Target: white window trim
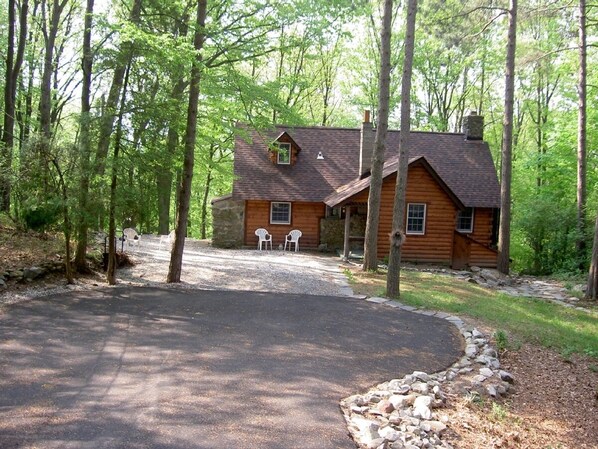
point(286, 145)
point(272, 203)
point(466, 231)
point(423, 232)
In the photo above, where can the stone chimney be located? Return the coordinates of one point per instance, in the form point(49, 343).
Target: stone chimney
point(473, 126)
point(366, 147)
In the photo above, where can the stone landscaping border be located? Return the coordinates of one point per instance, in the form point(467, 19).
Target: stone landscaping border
point(403, 413)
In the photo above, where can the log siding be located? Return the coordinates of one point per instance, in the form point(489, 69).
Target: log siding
point(304, 216)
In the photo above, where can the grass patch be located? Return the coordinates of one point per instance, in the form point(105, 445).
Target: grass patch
point(527, 320)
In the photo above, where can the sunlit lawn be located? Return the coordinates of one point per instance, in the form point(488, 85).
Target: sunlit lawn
point(530, 320)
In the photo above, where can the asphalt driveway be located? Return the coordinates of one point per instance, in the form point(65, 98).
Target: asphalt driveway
point(160, 368)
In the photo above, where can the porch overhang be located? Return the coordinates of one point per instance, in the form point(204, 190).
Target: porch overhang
point(344, 194)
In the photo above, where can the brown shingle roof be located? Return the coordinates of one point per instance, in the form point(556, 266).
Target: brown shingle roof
point(466, 167)
point(345, 192)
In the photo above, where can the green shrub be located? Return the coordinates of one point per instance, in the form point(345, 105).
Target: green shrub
point(41, 216)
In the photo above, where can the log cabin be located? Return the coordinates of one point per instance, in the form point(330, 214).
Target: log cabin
point(317, 179)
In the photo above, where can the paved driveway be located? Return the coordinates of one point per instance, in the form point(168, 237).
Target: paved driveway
point(160, 368)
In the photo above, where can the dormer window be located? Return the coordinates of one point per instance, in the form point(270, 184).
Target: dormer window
point(283, 150)
point(283, 153)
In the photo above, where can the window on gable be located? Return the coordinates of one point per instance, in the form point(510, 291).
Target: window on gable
point(465, 220)
point(416, 218)
point(280, 213)
point(283, 153)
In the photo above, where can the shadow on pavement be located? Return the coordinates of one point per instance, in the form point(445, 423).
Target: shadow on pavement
point(157, 368)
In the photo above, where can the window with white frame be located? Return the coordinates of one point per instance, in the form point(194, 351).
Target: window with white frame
point(280, 213)
point(465, 220)
point(283, 153)
point(416, 218)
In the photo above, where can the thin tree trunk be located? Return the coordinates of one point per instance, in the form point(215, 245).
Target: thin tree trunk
point(32, 45)
point(592, 287)
point(109, 114)
point(164, 175)
point(581, 136)
point(398, 214)
point(504, 235)
point(67, 223)
point(45, 102)
point(370, 259)
point(13, 68)
point(83, 219)
point(111, 271)
point(206, 194)
point(176, 258)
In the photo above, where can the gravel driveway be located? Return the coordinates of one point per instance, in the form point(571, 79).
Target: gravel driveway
point(208, 268)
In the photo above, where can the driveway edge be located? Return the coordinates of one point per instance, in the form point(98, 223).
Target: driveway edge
point(402, 413)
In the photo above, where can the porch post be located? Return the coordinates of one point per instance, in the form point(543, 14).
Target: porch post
point(347, 231)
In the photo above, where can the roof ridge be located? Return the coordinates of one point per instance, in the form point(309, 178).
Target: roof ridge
point(343, 128)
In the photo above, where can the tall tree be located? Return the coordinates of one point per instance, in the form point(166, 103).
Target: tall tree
point(85, 142)
point(110, 108)
point(398, 214)
point(13, 68)
point(176, 258)
point(592, 286)
point(112, 262)
point(50, 31)
point(504, 236)
point(370, 259)
point(581, 135)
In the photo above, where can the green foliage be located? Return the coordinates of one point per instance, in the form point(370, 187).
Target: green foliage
point(501, 340)
point(349, 275)
point(41, 216)
point(498, 412)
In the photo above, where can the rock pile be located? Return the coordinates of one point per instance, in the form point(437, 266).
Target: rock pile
point(404, 413)
point(29, 274)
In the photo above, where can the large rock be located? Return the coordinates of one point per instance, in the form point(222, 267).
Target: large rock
point(33, 273)
point(421, 407)
point(401, 401)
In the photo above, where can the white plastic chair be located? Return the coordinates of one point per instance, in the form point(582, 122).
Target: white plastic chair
point(131, 237)
point(264, 237)
point(293, 237)
point(168, 239)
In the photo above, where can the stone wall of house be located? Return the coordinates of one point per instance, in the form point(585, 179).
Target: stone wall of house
point(228, 220)
point(332, 231)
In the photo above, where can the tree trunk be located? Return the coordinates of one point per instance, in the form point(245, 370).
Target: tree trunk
point(111, 271)
point(109, 114)
point(164, 175)
point(68, 270)
point(204, 200)
point(164, 185)
point(176, 258)
point(398, 214)
point(13, 68)
point(592, 287)
point(45, 101)
point(581, 136)
point(83, 220)
point(370, 259)
point(504, 235)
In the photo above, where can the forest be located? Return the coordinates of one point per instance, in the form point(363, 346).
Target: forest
point(99, 130)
